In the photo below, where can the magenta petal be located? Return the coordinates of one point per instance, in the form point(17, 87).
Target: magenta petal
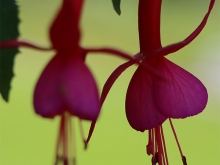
point(47, 99)
point(142, 114)
point(182, 95)
point(79, 90)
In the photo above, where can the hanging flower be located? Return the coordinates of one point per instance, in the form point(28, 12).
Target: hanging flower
point(150, 99)
point(66, 86)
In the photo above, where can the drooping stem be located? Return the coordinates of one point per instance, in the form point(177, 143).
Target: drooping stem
point(149, 24)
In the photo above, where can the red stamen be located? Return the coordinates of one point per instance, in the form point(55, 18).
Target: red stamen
point(164, 145)
point(184, 160)
point(178, 144)
point(150, 145)
point(59, 141)
point(157, 146)
point(64, 140)
point(73, 144)
point(161, 158)
point(154, 159)
point(154, 142)
point(82, 134)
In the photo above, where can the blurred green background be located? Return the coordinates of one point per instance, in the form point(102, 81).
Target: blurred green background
point(27, 139)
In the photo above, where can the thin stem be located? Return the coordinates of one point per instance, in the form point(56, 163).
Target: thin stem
point(65, 140)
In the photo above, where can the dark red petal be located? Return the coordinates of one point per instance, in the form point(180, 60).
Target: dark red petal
point(47, 99)
point(64, 32)
point(79, 89)
point(182, 95)
point(15, 43)
point(142, 114)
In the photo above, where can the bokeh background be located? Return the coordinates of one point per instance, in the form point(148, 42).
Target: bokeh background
point(28, 139)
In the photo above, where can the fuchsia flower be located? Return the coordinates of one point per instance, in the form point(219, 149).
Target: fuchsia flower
point(66, 86)
point(150, 99)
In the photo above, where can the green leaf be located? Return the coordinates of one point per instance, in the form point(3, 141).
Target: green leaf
point(116, 5)
point(8, 31)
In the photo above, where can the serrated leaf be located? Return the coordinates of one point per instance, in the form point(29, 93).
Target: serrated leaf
point(116, 5)
point(8, 30)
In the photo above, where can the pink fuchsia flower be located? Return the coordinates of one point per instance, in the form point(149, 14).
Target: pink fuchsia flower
point(150, 99)
point(66, 86)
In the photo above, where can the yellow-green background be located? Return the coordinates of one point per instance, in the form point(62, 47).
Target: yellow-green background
point(27, 139)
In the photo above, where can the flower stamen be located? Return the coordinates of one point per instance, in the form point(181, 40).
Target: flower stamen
point(178, 144)
point(82, 133)
point(64, 141)
point(59, 142)
point(157, 146)
point(150, 145)
point(164, 145)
